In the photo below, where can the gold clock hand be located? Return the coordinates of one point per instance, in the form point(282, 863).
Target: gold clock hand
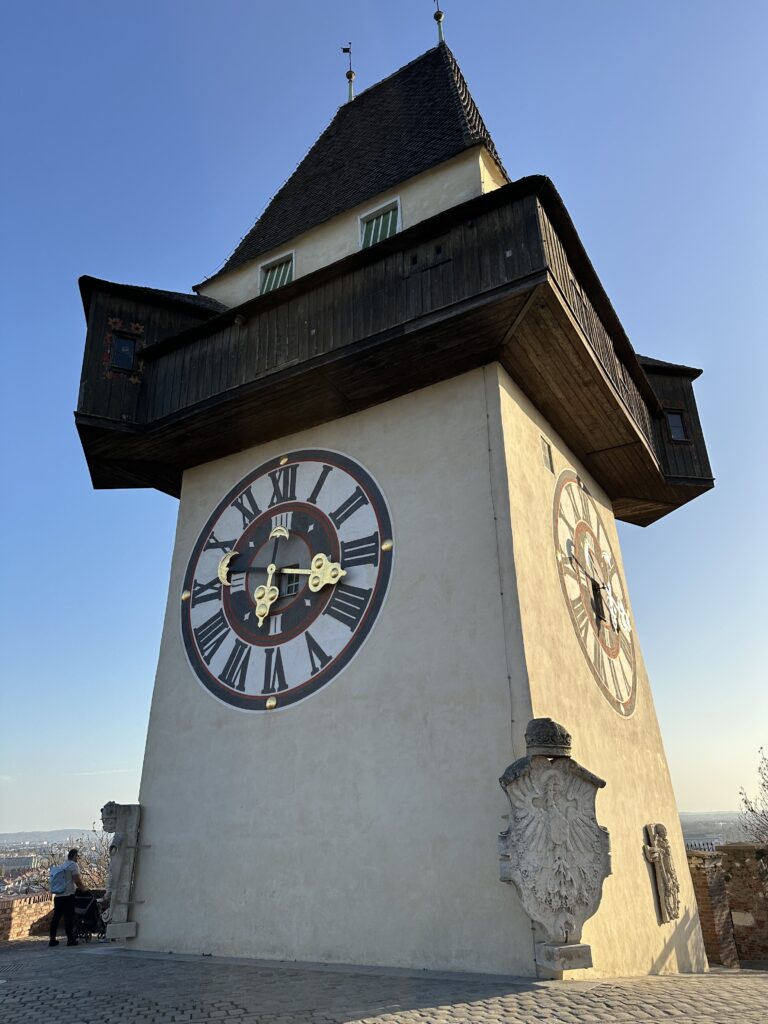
point(321, 572)
point(265, 596)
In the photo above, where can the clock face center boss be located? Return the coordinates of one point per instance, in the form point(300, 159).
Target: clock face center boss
point(286, 579)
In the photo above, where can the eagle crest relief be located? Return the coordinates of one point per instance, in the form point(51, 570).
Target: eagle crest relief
point(554, 852)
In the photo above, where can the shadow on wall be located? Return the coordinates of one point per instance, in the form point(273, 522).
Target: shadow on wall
point(684, 944)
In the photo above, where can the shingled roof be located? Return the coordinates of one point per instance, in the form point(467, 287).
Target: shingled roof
point(419, 117)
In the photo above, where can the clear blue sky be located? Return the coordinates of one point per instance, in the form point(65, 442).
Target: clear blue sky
point(141, 141)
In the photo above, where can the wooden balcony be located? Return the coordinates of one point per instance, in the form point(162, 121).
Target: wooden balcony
point(503, 277)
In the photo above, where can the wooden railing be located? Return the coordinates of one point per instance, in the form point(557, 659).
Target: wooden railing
point(594, 330)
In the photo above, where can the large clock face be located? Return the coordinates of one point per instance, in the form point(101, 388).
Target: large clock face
point(594, 592)
point(286, 580)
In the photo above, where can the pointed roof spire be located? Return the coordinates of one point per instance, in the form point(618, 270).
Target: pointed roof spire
point(439, 18)
point(419, 117)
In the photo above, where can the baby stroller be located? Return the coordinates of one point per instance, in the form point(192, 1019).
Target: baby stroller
point(88, 920)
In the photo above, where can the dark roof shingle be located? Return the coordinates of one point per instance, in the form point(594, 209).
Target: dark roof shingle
point(419, 117)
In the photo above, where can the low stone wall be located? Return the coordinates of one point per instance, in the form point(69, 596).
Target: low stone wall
point(714, 909)
point(745, 867)
point(22, 916)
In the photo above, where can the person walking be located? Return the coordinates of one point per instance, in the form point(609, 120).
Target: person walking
point(65, 880)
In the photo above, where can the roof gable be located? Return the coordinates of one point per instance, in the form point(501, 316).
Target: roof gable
point(419, 117)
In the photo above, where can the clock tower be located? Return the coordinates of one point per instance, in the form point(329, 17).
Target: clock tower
point(402, 422)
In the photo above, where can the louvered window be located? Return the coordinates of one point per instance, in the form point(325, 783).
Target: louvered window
point(380, 226)
point(276, 275)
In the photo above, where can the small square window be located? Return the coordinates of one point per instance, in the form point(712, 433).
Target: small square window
point(276, 275)
point(379, 226)
point(546, 454)
point(676, 424)
point(292, 585)
point(123, 352)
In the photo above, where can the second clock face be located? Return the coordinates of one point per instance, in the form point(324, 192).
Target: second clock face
point(594, 592)
point(286, 579)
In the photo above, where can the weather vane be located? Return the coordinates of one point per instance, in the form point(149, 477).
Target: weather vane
point(350, 73)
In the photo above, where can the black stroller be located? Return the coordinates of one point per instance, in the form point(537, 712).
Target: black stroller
point(88, 920)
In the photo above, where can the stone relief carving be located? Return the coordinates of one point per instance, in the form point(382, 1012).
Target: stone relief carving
point(659, 853)
point(554, 852)
point(122, 820)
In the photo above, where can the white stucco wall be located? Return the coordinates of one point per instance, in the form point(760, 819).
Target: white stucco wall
point(360, 825)
point(625, 935)
point(470, 174)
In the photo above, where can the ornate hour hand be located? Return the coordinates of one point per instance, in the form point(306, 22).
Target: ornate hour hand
point(265, 596)
point(321, 572)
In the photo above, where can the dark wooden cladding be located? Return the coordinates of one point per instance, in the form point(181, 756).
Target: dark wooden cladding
point(497, 248)
point(680, 459)
point(500, 278)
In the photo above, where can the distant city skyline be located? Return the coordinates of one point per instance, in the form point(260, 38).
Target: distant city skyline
point(145, 141)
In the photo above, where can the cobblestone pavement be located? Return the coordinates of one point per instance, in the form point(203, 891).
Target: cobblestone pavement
point(111, 985)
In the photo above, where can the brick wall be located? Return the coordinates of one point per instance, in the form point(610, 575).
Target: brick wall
point(22, 916)
point(714, 910)
point(746, 877)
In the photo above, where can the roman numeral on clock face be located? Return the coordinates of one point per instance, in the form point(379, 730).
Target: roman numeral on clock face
point(274, 673)
point(236, 668)
point(205, 592)
point(581, 616)
point(574, 504)
point(247, 507)
point(348, 604)
point(283, 484)
point(347, 508)
point(363, 551)
point(317, 657)
point(222, 545)
point(319, 485)
point(211, 635)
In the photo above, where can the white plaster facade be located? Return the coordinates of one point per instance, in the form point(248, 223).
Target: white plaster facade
point(470, 174)
point(360, 825)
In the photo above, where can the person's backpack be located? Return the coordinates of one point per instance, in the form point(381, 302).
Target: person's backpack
point(58, 879)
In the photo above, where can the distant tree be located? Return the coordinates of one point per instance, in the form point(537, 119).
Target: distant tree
point(93, 860)
point(754, 813)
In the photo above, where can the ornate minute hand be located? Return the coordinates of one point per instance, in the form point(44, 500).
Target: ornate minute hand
point(321, 572)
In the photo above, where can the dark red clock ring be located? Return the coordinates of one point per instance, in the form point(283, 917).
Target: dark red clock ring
point(258, 636)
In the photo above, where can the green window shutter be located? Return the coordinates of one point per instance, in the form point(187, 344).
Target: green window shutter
point(277, 275)
point(379, 227)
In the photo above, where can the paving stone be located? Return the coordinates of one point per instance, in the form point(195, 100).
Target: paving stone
point(110, 985)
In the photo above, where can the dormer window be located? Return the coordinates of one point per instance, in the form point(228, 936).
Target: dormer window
point(379, 224)
point(123, 355)
point(676, 425)
point(276, 274)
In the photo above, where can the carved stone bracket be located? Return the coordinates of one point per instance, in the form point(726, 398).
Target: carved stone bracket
point(123, 821)
point(659, 853)
point(554, 852)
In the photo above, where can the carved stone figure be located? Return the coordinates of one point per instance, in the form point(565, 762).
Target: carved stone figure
point(123, 821)
point(554, 852)
point(658, 852)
